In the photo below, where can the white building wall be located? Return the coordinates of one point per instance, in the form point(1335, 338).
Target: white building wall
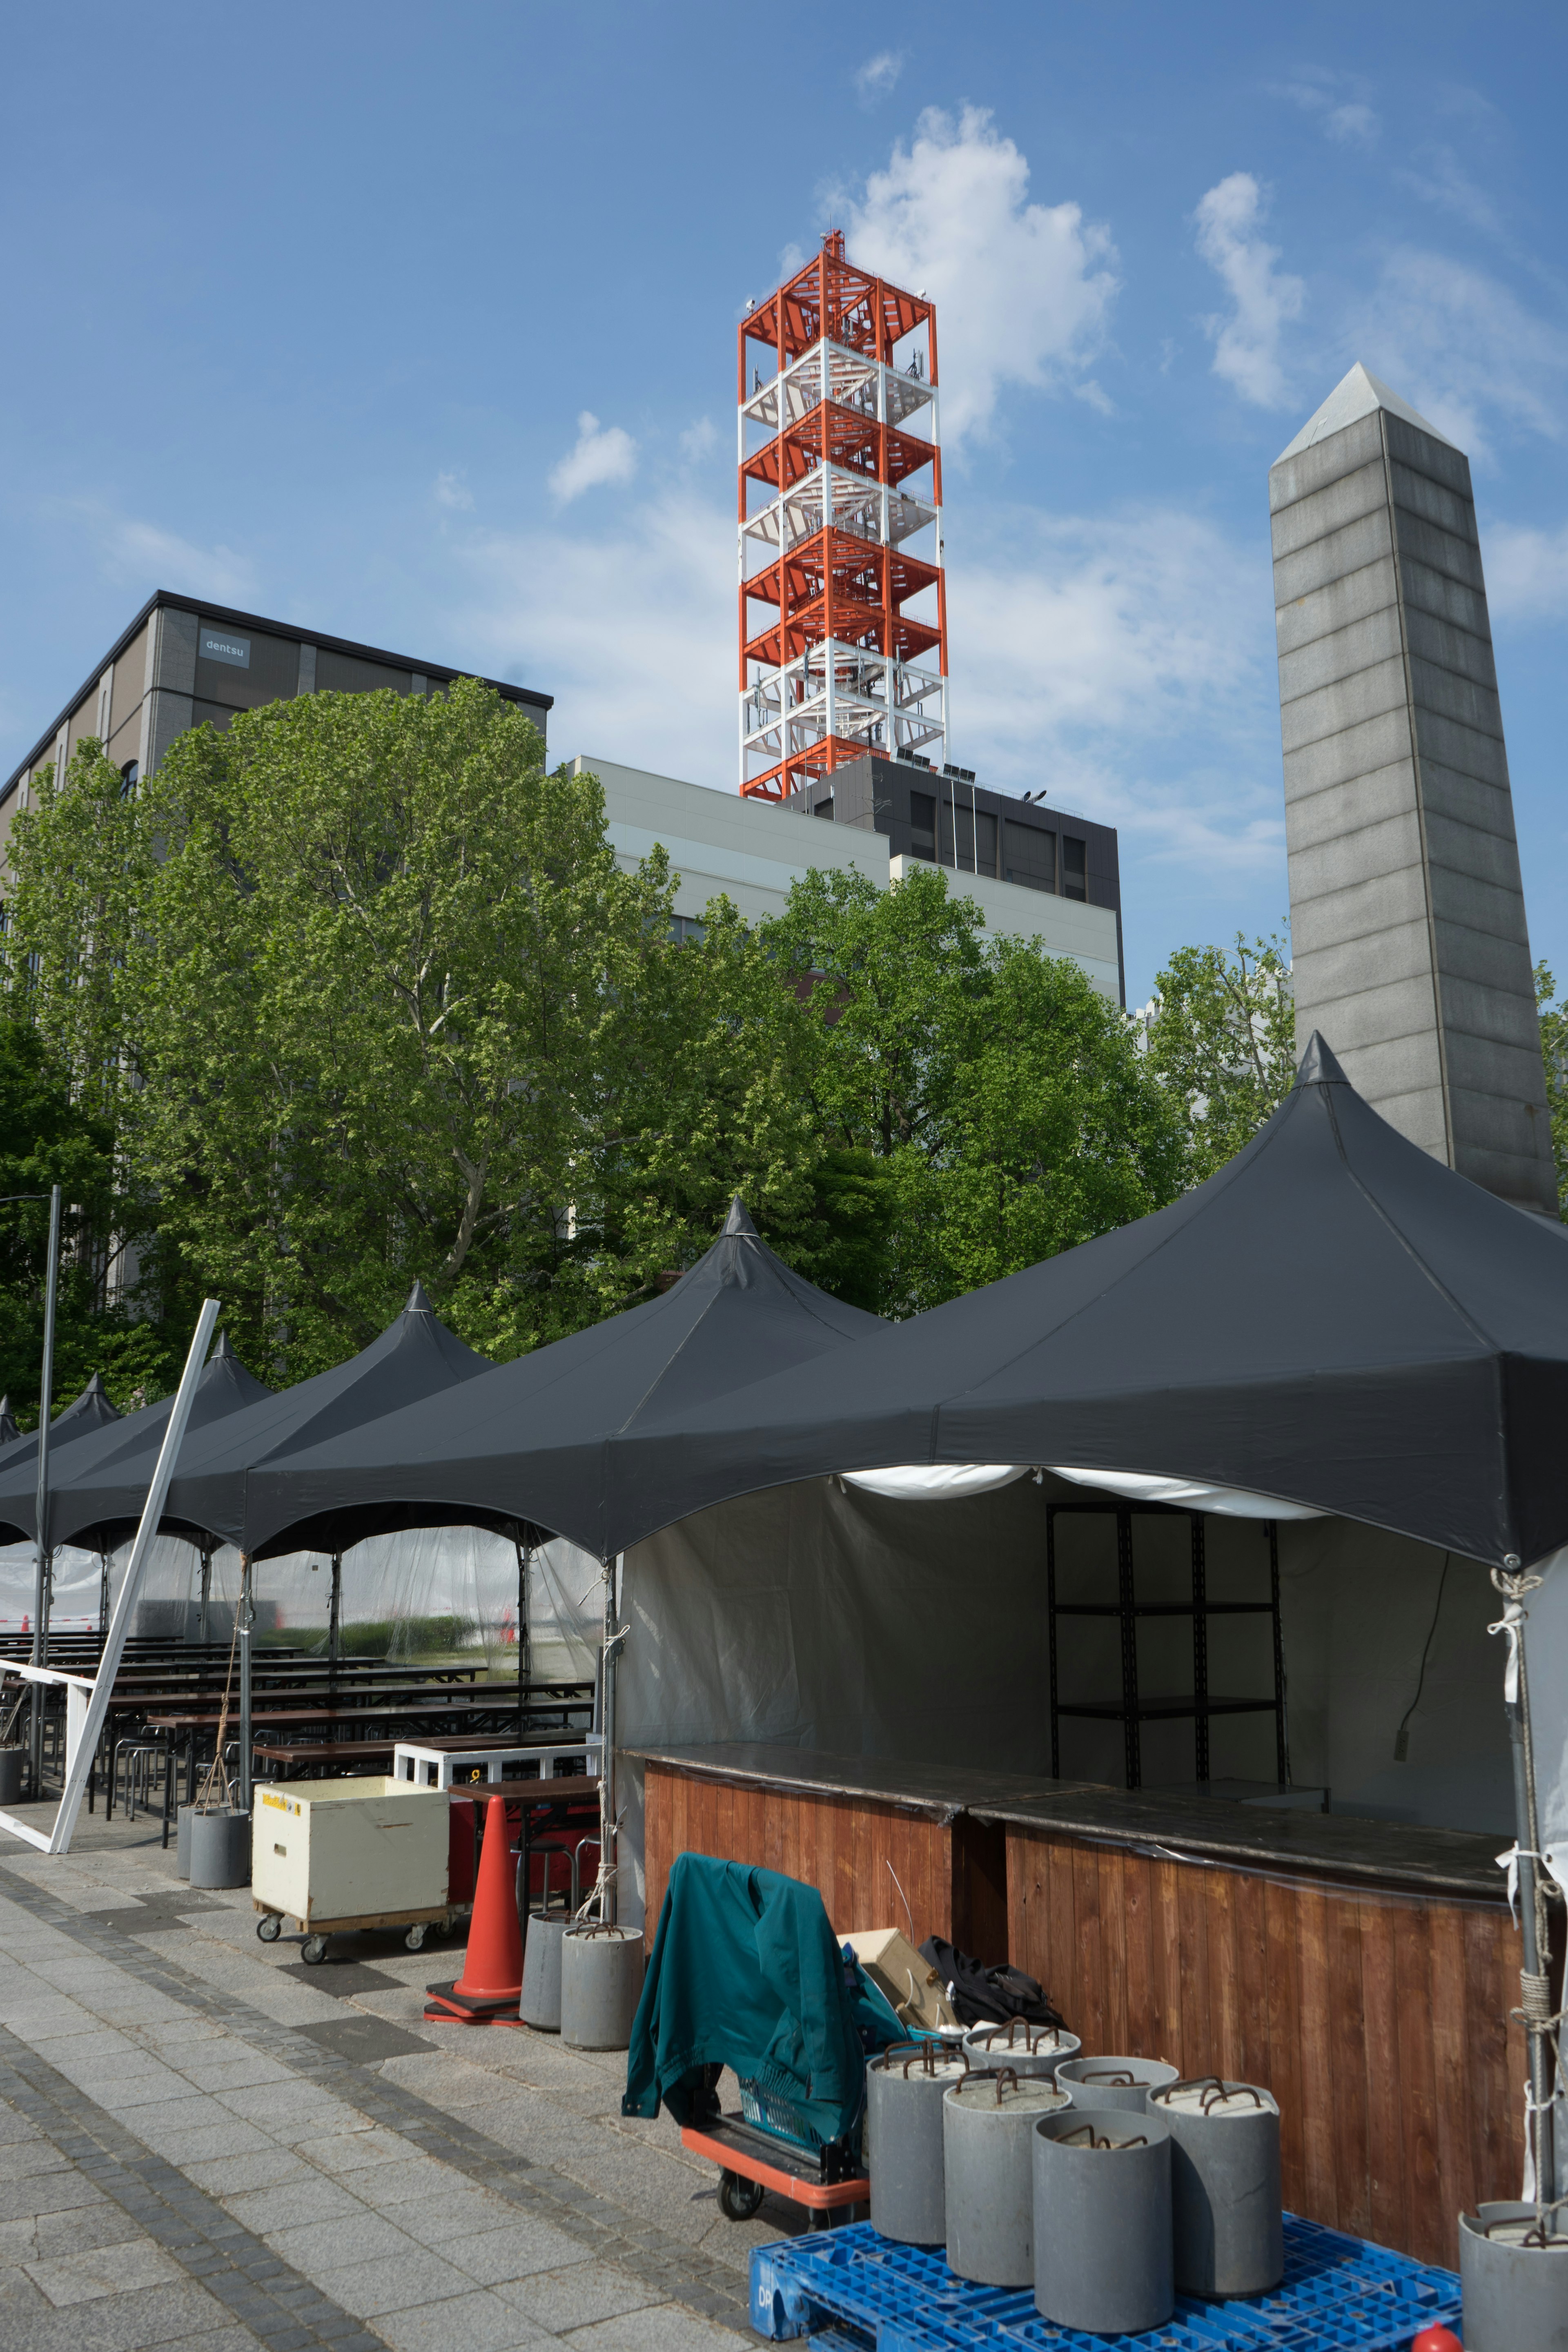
point(750, 852)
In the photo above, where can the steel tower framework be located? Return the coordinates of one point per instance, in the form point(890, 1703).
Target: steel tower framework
point(840, 528)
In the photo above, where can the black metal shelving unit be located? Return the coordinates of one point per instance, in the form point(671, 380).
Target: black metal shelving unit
point(1132, 1709)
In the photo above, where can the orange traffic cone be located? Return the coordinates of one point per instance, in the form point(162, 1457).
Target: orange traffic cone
point(490, 1988)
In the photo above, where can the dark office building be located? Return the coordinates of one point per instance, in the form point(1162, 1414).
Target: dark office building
point(182, 663)
point(944, 816)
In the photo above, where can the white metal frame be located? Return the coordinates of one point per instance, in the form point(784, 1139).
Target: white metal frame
point(432, 1767)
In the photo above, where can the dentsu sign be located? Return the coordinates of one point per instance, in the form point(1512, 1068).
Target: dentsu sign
point(217, 645)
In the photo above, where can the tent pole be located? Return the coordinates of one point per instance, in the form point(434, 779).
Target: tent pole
point(204, 1603)
point(1535, 1930)
point(335, 1617)
point(613, 1636)
point(41, 1507)
point(246, 1619)
point(524, 1555)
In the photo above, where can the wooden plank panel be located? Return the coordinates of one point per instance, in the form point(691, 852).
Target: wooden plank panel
point(1255, 2064)
point(1284, 1996)
point(1498, 2065)
point(1060, 1951)
point(1195, 2053)
point(1321, 2120)
point(1167, 1950)
point(1139, 2024)
point(1417, 2081)
point(1114, 1945)
point(1384, 2124)
point(1224, 1995)
point(1348, 2059)
point(1451, 2077)
point(1090, 1954)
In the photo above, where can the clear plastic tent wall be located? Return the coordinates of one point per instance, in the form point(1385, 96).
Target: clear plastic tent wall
point(425, 1593)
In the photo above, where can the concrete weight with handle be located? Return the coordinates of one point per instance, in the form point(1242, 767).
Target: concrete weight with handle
point(220, 1849)
point(905, 2086)
point(601, 1977)
point(1027, 2049)
point(1513, 2270)
point(988, 2174)
point(1102, 2221)
point(1114, 2082)
point(1226, 2203)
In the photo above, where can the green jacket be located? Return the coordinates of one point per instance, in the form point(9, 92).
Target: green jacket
point(745, 1973)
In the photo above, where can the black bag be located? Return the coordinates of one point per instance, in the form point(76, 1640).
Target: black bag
point(988, 1995)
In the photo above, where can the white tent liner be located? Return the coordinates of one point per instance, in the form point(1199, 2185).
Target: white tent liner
point(917, 1482)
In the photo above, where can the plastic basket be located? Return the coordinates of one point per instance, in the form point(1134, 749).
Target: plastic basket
point(780, 2117)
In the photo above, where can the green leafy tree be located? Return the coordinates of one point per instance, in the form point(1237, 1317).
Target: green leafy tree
point(997, 1097)
point(1554, 1053)
point(1222, 1039)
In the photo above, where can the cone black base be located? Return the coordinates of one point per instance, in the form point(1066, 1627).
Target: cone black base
point(454, 2008)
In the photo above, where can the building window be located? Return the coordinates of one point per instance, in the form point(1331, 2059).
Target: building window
point(689, 929)
point(129, 774)
point(1029, 854)
point(923, 826)
point(1075, 867)
point(824, 808)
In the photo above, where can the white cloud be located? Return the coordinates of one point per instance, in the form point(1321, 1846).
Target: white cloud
point(1442, 181)
point(1526, 571)
point(453, 492)
point(1126, 663)
point(143, 552)
point(1022, 292)
point(603, 453)
point(1247, 344)
point(1348, 122)
point(698, 440)
point(1463, 350)
point(879, 75)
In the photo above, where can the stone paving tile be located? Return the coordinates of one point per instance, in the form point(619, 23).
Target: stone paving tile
point(394, 2285)
point(563, 2299)
point(263, 2167)
point(320, 2245)
point(478, 2322)
point(287, 2204)
point(98, 2271)
point(499, 2256)
point(664, 2328)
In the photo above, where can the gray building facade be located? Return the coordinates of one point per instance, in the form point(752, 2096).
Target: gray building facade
point(182, 662)
point(1410, 946)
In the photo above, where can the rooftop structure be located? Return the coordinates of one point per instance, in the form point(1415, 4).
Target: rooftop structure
point(839, 510)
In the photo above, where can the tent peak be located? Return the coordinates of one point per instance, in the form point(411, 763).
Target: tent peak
point(1319, 1068)
point(95, 1386)
point(738, 1221)
point(418, 1304)
point(221, 1347)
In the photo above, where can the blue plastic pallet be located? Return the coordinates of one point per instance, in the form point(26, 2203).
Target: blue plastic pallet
point(854, 2291)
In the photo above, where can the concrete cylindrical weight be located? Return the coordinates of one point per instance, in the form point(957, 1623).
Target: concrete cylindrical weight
point(988, 2174)
point(182, 1840)
point(220, 1849)
point(1113, 2082)
point(601, 1977)
point(904, 2089)
point(1515, 2294)
point(1102, 2221)
point(1027, 2049)
point(540, 2002)
point(1226, 2201)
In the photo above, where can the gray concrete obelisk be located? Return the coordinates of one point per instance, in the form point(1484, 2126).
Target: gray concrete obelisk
point(1406, 908)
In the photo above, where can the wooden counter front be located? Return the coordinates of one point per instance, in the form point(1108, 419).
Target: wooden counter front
point(1364, 1971)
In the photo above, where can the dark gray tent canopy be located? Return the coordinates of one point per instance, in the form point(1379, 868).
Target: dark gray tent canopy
point(1335, 1318)
point(414, 1357)
point(530, 1443)
point(19, 1463)
point(9, 1431)
point(124, 1454)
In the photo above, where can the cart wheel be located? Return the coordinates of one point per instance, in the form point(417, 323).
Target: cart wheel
point(270, 1926)
point(738, 2199)
point(415, 1939)
point(313, 1949)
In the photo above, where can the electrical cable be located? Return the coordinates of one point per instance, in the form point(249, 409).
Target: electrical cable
point(1402, 1737)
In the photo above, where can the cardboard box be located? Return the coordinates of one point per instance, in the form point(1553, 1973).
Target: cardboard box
point(897, 1970)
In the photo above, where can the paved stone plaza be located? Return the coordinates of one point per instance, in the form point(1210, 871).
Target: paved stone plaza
point(204, 2143)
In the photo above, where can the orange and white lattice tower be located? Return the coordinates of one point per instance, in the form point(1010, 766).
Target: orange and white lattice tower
point(843, 601)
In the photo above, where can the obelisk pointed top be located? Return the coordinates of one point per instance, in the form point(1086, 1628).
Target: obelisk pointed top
point(1357, 395)
point(738, 1221)
point(417, 1302)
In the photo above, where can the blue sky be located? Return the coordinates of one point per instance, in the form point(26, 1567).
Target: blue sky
point(417, 326)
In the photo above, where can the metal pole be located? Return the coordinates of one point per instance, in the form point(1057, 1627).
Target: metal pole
point(246, 1619)
point(335, 1616)
point(80, 1761)
point(204, 1603)
point(611, 1641)
point(41, 1580)
point(1534, 1932)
